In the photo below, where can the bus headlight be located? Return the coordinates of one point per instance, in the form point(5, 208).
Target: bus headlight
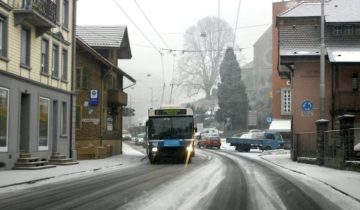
point(154, 149)
point(189, 148)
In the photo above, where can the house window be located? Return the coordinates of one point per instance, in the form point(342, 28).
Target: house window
point(337, 31)
point(82, 78)
point(44, 105)
point(64, 66)
point(65, 17)
point(3, 37)
point(57, 2)
point(25, 47)
point(285, 101)
point(348, 30)
point(45, 56)
point(4, 119)
point(64, 119)
point(55, 62)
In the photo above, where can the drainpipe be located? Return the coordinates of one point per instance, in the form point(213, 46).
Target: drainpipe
point(73, 76)
point(322, 63)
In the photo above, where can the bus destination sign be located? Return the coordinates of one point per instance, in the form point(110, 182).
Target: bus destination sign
point(168, 112)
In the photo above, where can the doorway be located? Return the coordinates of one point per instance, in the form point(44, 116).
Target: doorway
point(55, 126)
point(24, 123)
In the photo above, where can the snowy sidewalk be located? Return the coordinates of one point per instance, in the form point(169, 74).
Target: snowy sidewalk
point(17, 177)
point(347, 182)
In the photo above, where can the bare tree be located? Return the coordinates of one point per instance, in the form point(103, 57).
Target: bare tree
point(205, 44)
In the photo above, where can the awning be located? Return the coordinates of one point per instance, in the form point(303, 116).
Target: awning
point(343, 55)
point(280, 125)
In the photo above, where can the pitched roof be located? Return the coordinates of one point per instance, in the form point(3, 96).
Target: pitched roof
point(335, 10)
point(102, 36)
point(81, 43)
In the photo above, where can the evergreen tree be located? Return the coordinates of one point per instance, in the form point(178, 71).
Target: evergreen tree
point(232, 97)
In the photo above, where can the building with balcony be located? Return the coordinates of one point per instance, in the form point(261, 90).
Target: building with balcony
point(36, 48)
point(100, 87)
point(299, 61)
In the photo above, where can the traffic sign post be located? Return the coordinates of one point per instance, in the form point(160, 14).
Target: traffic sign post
point(307, 108)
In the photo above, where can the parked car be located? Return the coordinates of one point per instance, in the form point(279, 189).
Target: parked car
point(210, 142)
point(140, 139)
point(126, 135)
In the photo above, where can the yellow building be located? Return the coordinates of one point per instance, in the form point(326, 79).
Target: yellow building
point(36, 59)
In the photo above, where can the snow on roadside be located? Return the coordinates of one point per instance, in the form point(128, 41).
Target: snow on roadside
point(13, 178)
point(346, 181)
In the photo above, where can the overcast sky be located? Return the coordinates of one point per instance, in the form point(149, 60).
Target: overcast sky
point(171, 18)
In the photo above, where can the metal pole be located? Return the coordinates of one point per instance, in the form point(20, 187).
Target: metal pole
point(322, 63)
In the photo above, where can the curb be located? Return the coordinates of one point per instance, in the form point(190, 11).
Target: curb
point(299, 172)
point(58, 176)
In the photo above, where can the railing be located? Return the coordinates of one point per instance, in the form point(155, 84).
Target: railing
point(332, 145)
point(353, 144)
point(117, 97)
point(46, 8)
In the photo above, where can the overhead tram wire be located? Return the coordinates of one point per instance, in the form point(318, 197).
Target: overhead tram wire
point(218, 26)
point(161, 54)
point(163, 41)
point(237, 20)
point(147, 39)
point(152, 26)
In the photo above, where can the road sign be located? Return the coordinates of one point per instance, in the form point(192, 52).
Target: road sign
point(269, 119)
point(307, 106)
point(94, 98)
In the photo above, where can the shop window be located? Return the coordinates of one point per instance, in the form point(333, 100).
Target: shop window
point(4, 119)
point(44, 108)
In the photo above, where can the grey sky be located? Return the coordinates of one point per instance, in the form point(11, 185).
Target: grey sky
point(171, 18)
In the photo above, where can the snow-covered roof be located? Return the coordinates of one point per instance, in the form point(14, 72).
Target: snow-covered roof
point(102, 36)
point(335, 10)
point(344, 55)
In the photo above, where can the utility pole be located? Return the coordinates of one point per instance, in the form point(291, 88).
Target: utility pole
point(322, 62)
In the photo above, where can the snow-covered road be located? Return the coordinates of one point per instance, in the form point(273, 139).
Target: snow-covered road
point(216, 179)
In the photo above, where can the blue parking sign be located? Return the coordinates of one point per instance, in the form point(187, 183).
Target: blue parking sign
point(94, 98)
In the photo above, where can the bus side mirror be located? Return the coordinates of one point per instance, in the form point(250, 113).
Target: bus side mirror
point(147, 123)
point(195, 129)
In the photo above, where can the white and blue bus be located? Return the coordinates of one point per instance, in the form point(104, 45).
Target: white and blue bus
point(170, 132)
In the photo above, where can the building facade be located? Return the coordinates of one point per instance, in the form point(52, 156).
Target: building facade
point(100, 87)
point(299, 57)
point(36, 40)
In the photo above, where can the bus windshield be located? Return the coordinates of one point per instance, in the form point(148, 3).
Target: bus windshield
point(170, 127)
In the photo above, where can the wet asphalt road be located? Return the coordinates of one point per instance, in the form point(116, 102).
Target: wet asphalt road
point(215, 179)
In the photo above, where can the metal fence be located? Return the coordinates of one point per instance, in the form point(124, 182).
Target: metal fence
point(355, 132)
point(339, 146)
point(332, 145)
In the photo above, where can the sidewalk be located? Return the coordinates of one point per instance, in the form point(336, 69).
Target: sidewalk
point(130, 157)
point(347, 182)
